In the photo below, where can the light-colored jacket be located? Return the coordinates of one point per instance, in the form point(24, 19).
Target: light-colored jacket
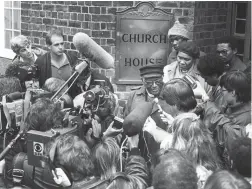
point(172, 71)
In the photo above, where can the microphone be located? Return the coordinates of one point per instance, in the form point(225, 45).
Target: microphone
point(78, 69)
point(81, 66)
point(158, 105)
point(134, 122)
point(91, 50)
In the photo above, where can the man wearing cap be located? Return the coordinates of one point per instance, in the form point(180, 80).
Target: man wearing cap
point(186, 64)
point(152, 78)
point(177, 34)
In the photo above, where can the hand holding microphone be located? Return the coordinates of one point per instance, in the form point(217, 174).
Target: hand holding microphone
point(166, 118)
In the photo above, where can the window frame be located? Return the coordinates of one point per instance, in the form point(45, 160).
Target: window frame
point(247, 36)
point(4, 52)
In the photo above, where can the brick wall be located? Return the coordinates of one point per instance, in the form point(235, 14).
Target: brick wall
point(210, 23)
point(204, 20)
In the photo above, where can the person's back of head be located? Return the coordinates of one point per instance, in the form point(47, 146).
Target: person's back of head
point(211, 68)
point(179, 93)
point(44, 115)
point(193, 138)
point(226, 180)
point(9, 84)
point(73, 154)
point(174, 171)
point(240, 155)
point(120, 180)
point(106, 157)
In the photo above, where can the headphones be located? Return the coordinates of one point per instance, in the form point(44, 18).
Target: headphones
point(60, 175)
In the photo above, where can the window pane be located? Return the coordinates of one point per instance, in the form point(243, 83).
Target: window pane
point(241, 10)
point(7, 4)
point(16, 33)
point(7, 38)
point(240, 26)
point(17, 20)
point(7, 19)
point(16, 4)
point(240, 46)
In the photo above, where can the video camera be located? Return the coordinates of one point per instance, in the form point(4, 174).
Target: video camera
point(28, 75)
point(37, 140)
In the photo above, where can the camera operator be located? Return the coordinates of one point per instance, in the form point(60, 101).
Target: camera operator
point(25, 72)
point(43, 116)
point(99, 113)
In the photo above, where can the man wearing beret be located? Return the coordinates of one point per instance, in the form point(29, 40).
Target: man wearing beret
point(176, 34)
point(187, 55)
point(152, 78)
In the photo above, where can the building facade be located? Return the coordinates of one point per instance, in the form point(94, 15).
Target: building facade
point(206, 21)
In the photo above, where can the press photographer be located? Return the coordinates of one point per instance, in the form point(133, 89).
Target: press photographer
point(26, 73)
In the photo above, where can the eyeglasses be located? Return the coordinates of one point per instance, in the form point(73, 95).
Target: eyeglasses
point(157, 82)
point(223, 52)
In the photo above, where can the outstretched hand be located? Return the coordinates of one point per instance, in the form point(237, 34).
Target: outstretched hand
point(111, 132)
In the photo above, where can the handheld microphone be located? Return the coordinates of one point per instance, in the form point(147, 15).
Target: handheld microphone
point(91, 50)
point(134, 122)
point(158, 105)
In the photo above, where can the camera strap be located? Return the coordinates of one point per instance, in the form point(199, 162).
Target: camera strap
point(18, 169)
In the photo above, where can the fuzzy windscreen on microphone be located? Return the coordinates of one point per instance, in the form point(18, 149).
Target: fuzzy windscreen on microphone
point(91, 50)
point(134, 122)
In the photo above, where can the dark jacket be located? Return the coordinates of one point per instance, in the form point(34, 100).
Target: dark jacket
point(135, 171)
point(225, 129)
point(147, 144)
point(235, 64)
point(95, 75)
point(44, 66)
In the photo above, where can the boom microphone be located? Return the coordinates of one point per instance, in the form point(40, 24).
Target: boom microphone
point(91, 50)
point(134, 122)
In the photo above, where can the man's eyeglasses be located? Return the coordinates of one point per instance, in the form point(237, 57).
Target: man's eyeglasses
point(157, 82)
point(223, 52)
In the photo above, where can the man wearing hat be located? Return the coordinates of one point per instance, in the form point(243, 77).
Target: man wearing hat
point(152, 78)
point(176, 34)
